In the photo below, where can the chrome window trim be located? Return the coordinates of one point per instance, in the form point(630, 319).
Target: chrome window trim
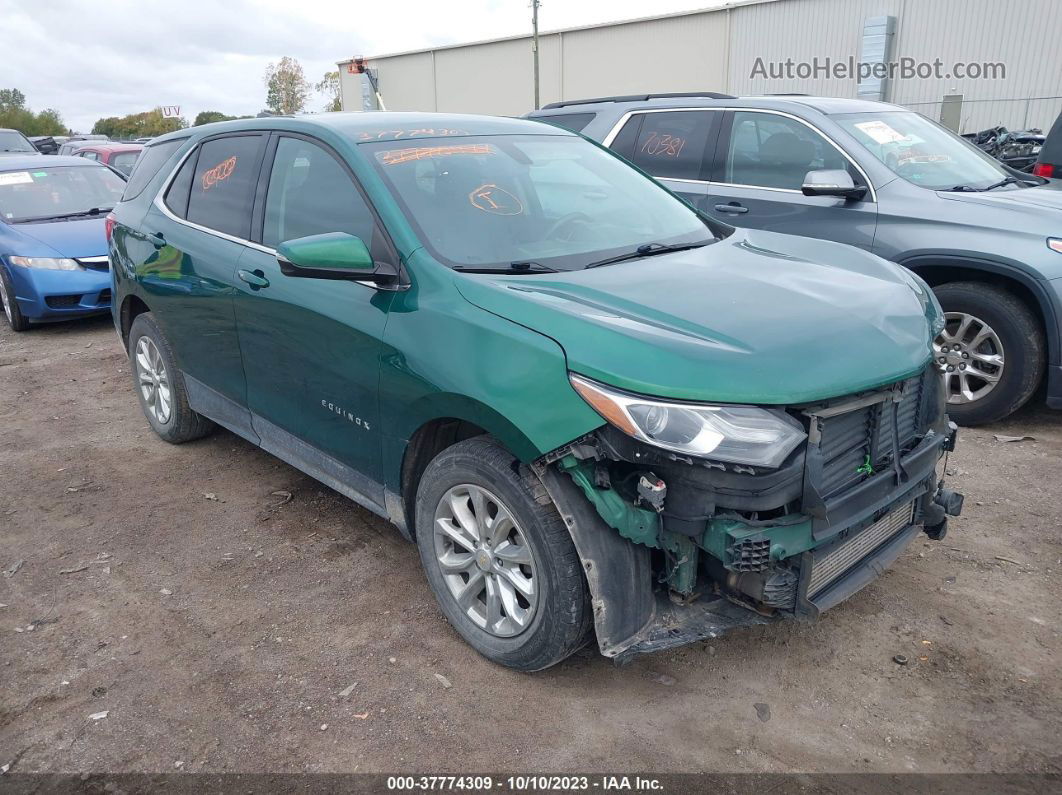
point(608, 139)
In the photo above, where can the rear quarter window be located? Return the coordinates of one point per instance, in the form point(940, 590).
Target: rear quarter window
point(576, 122)
point(151, 160)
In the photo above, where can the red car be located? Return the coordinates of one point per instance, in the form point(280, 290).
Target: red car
point(121, 157)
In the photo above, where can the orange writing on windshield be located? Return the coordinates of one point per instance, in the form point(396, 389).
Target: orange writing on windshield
point(221, 171)
point(494, 200)
point(395, 156)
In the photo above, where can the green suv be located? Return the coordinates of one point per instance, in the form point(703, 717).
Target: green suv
point(592, 408)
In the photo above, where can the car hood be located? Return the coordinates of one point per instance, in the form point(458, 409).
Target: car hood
point(758, 317)
point(78, 237)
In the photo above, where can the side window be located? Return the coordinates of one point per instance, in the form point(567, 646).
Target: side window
point(89, 155)
point(310, 193)
point(771, 151)
point(176, 197)
point(223, 184)
point(673, 144)
point(148, 166)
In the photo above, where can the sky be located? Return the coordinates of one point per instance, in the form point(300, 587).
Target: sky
point(115, 57)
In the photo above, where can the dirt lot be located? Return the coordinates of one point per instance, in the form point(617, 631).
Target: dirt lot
point(216, 628)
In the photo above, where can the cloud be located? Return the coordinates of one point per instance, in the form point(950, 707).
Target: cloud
point(109, 59)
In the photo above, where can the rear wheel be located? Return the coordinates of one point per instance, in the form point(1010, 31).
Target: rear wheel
point(15, 318)
point(160, 386)
point(991, 351)
point(499, 558)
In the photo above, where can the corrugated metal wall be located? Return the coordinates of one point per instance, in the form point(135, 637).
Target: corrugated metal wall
point(716, 51)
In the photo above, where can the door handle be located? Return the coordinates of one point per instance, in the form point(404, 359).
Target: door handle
point(733, 207)
point(156, 239)
point(256, 279)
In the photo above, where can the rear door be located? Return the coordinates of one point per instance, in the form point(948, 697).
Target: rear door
point(198, 229)
point(312, 347)
point(674, 146)
point(761, 159)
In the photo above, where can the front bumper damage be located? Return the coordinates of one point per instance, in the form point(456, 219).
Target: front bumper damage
point(677, 550)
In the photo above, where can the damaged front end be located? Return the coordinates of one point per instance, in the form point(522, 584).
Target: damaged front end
point(679, 547)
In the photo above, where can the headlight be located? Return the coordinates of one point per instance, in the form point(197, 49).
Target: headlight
point(1055, 244)
point(744, 435)
point(45, 263)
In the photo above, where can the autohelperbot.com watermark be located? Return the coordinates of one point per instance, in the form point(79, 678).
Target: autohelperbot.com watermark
point(904, 68)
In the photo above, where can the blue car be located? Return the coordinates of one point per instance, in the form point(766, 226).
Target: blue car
point(53, 245)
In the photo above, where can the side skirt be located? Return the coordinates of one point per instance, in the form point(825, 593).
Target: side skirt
point(226, 412)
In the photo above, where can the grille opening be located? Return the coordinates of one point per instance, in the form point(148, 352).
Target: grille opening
point(62, 301)
point(105, 297)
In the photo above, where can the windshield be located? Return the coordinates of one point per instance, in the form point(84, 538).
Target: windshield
point(57, 191)
point(14, 142)
point(921, 151)
point(557, 201)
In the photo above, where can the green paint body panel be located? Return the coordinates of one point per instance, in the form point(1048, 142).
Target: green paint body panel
point(355, 370)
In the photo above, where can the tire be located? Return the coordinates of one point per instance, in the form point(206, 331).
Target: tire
point(560, 621)
point(1018, 333)
point(179, 424)
point(15, 318)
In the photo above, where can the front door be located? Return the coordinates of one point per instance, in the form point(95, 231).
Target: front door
point(312, 347)
point(760, 164)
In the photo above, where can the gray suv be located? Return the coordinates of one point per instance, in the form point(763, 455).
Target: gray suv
point(886, 179)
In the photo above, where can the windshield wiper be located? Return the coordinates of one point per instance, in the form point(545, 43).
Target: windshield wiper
point(81, 214)
point(511, 268)
point(993, 186)
point(1002, 182)
point(647, 250)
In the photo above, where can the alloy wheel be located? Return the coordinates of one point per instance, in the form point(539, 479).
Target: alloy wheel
point(153, 380)
point(969, 353)
point(485, 559)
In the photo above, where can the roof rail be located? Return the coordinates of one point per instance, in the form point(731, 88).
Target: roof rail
point(638, 98)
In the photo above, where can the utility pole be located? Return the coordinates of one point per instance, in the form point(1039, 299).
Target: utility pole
point(534, 44)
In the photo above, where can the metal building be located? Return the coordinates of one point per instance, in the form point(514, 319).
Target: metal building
point(1014, 45)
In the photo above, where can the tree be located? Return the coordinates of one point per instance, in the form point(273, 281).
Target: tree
point(287, 88)
point(210, 116)
point(15, 113)
point(329, 86)
point(138, 125)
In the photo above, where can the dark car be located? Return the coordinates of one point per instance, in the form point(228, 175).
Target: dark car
point(45, 144)
point(1049, 162)
point(885, 179)
point(119, 156)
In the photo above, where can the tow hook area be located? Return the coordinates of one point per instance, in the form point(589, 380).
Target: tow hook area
point(945, 503)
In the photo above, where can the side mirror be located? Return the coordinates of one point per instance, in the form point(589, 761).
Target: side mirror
point(832, 182)
point(335, 255)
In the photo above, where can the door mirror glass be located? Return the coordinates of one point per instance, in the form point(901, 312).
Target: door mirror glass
point(333, 255)
point(831, 182)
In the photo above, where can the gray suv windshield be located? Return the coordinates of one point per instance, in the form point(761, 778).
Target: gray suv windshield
point(921, 151)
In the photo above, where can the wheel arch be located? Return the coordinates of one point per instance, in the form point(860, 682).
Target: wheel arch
point(436, 424)
point(939, 269)
point(132, 305)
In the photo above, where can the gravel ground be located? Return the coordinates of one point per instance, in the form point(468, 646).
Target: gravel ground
point(221, 628)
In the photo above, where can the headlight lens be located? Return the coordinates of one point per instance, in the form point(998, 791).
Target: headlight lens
point(743, 435)
point(1055, 244)
point(45, 263)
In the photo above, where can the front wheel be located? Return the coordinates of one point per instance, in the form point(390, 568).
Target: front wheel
point(499, 558)
point(15, 318)
point(991, 351)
